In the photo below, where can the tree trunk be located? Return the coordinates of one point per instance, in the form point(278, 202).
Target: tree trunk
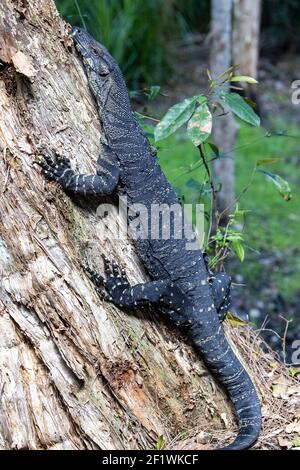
point(225, 127)
point(246, 28)
point(76, 372)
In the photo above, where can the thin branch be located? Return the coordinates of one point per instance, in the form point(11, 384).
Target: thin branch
point(213, 199)
point(287, 323)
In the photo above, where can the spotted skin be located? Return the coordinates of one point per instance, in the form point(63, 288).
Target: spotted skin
point(178, 275)
point(119, 291)
point(221, 292)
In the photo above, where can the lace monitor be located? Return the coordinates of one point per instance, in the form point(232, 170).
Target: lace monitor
point(180, 284)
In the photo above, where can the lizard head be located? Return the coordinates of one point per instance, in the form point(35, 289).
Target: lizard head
point(103, 73)
point(96, 58)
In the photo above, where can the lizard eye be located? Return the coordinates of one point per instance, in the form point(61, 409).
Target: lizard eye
point(95, 50)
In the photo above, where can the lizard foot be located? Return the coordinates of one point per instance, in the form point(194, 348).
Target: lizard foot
point(114, 282)
point(55, 169)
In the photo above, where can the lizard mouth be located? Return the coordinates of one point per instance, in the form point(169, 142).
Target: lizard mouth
point(76, 33)
point(81, 41)
point(94, 55)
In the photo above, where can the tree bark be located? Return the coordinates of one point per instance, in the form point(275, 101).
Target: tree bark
point(246, 28)
point(225, 127)
point(76, 372)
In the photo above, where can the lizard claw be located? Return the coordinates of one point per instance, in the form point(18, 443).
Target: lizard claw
point(115, 279)
point(62, 160)
point(97, 279)
point(54, 169)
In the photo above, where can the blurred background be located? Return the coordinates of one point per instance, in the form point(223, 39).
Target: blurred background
point(164, 48)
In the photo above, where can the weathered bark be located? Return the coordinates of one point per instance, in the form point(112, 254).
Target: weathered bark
point(225, 127)
point(76, 372)
point(246, 28)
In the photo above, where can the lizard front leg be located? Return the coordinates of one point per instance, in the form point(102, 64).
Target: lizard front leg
point(100, 184)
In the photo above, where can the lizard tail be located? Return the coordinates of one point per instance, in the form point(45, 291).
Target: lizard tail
point(221, 360)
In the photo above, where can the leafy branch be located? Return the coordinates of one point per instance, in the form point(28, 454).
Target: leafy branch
point(197, 112)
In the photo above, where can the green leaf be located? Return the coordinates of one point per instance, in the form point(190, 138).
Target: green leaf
point(201, 99)
point(234, 320)
point(153, 92)
point(239, 107)
point(147, 128)
point(294, 371)
point(161, 443)
point(296, 442)
point(227, 71)
point(238, 213)
point(214, 148)
point(243, 78)
point(176, 117)
point(200, 125)
point(267, 161)
point(239, 249)
point(281, 185)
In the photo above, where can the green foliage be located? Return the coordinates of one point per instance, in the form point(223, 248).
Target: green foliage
point(296, 442)
point(240, 108)
point(136, 32)
point(228, 238)
point(243, 79)
point(281, 185)
point(200, 125)
point(200, 121)
point(161, 443)
point(193, 15)
point(149, 93)
point(271, 224)
point(176, 116)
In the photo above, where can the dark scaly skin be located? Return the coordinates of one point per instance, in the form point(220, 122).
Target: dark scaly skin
point(180, 284)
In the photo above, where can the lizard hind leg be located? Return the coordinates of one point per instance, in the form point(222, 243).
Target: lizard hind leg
point(120, 292)
point(221, 292)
